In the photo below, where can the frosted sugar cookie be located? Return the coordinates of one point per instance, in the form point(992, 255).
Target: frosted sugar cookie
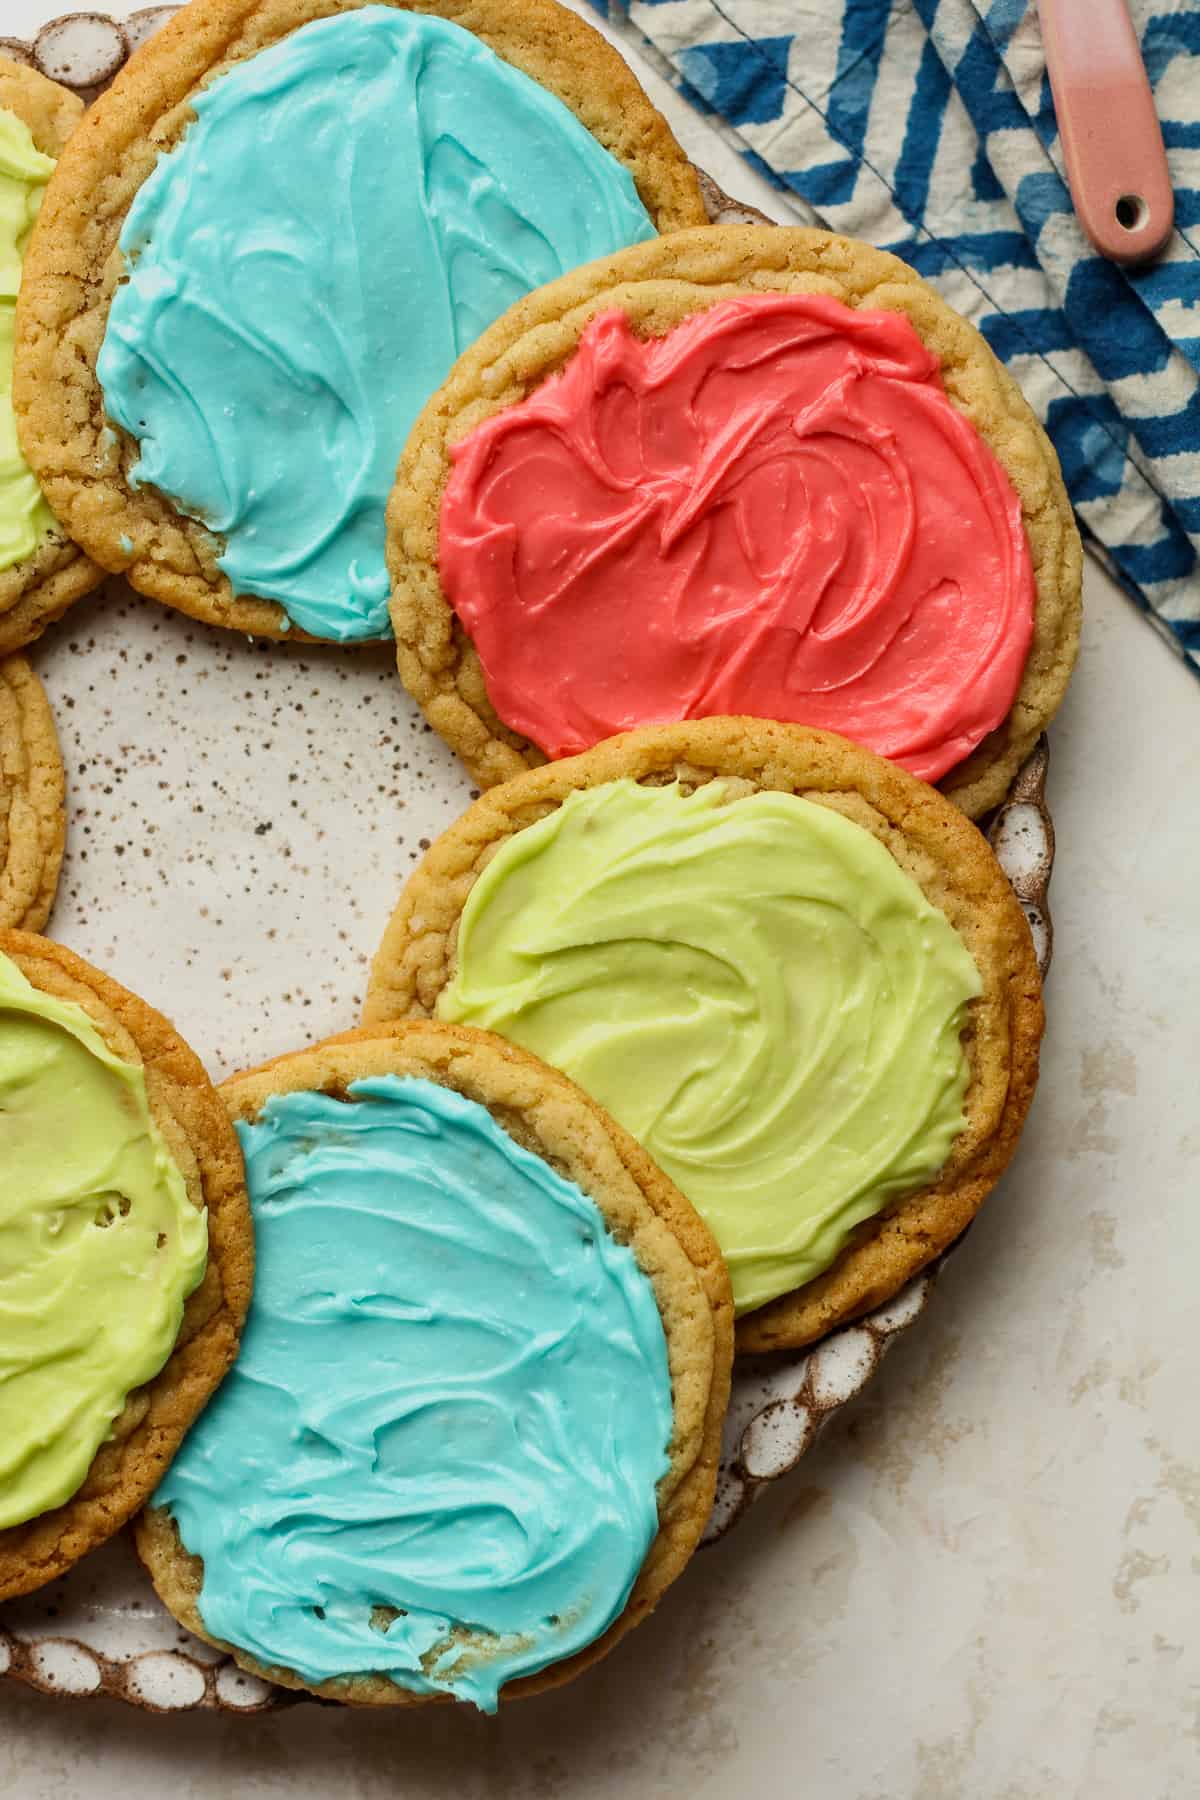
point(41, 571)
point(740, 470)
point(311, 209)
point(473, 1432)
point(126, 1250)
point(795, 973)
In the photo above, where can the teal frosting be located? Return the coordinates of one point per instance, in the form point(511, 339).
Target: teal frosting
point(349, 210)
point(436, 1457)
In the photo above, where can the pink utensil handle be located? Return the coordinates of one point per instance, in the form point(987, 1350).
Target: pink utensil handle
point(1111, 138)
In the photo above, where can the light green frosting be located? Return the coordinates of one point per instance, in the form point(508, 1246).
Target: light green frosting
point(24, 171)
point(99, 1245)
point(752, 986)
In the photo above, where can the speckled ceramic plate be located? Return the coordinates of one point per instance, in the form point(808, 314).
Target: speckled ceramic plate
point(242, 816)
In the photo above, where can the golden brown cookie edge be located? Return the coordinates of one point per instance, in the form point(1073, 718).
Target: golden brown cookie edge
point(33, 825)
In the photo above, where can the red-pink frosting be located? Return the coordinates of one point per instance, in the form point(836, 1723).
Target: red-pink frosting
point(773, 510)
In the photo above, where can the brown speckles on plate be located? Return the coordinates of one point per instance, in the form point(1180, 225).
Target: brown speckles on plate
point(241, 818)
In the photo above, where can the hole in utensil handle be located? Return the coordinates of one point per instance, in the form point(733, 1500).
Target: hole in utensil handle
point(1132, 212)
point(1111, 138)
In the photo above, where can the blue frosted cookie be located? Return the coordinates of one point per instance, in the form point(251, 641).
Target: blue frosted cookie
point(472, 1434)
point(218, 369)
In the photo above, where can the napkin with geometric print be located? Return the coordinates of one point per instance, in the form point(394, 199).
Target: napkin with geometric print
point(927, 127)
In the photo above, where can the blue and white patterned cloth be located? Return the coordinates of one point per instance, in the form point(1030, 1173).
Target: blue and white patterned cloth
point(927, 127)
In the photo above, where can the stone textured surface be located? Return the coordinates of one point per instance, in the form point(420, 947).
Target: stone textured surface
point(981, 1582)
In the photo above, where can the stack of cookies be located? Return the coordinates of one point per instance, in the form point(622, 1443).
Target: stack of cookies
point(743, 581)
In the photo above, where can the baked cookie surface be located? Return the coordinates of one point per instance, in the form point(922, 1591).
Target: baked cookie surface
point(632, 312)
point(561, 1246)
point(88, 1243)
point(41, 571)
point(416, 972)
point(33, 821)
point(264, 77)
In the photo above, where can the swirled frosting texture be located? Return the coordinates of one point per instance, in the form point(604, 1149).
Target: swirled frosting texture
point(756, 990)
point(99, 1245)
point(349, 210)
point(773, 510)
point(25, 517)
point(437, 1455)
